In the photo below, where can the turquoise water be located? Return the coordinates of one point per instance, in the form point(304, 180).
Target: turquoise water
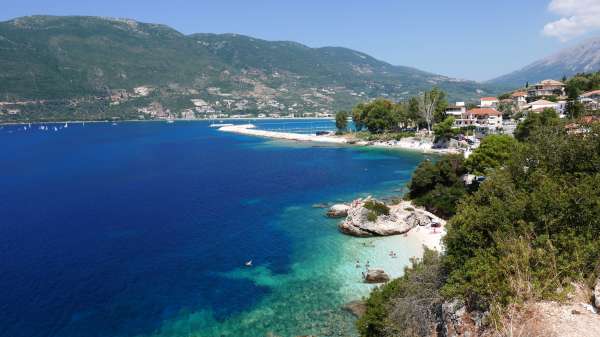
point(142, 229)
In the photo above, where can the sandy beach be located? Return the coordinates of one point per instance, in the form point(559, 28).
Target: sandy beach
point(412, 144)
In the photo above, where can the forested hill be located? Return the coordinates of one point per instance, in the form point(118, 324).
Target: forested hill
point(68, 60)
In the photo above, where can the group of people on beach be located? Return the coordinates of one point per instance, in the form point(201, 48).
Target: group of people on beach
point(367, 265)
point(364, 272)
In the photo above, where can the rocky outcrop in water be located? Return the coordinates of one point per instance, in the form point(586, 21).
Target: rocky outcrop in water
point(338, 211)
point(401, 218)
point(356, 308)
point(376, 275)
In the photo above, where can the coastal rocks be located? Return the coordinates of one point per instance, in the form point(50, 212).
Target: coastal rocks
point(597, 294)
point(456, 321)
point(401, 218)
point(356, 308)
point(376, 275)
point(338, 211)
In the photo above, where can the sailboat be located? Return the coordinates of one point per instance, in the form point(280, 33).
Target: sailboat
point(248, 263)
point(66, 125)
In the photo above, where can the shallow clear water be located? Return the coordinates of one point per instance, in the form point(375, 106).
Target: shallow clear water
point(142, 229)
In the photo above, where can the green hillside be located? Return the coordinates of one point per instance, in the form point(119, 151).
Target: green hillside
point(75, 64)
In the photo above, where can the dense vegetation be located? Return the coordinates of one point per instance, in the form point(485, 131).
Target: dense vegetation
point(406, 306)
point(341, 121)
point(576, 86)
point(384, 116)
point(493, 152)
point(523, 235)
point(438, 185)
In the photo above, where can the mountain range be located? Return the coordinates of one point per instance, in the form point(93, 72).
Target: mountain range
point(93, 65)
point(59, 67)
point(582, 58)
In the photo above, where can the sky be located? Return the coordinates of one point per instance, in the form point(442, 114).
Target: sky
point(467, 39)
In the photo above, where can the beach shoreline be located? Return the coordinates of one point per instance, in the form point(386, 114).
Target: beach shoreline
point(164, 120)
point(410, 144)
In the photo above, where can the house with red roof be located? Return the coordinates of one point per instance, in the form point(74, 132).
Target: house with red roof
point(488, 118)
point(519, 98)
point(547, 88)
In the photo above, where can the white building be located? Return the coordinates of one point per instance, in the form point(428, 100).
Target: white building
point(488, 102)
point(456, 110)
point(547, 88)
point(519, 99)
point(482, 118)
point(540, 105)
point(591, 99)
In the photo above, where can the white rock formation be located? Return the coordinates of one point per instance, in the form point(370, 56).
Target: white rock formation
point(402, 218)
point(338, 211)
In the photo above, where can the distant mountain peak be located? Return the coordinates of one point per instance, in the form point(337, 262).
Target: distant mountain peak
point(583, 57)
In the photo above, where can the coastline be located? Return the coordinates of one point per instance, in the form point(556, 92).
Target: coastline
point(164, 120)
point(411, 144)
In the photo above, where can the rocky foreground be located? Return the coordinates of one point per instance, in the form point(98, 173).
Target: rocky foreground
point(402, 217)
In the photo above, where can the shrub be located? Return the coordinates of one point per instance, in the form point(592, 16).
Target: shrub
point(406, 306)
point(493, 152)
point(532, 228)
point(372, 216)
point(377, 208)
point(438, 186)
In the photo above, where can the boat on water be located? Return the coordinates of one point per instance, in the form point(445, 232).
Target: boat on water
point(66, 125)
point(248, 263)
point(218, 125)
point(170, 121)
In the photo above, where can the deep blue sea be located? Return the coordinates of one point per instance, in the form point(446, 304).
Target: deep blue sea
point(142, 229)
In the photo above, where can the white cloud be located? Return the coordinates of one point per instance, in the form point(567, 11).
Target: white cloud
point(577, 17)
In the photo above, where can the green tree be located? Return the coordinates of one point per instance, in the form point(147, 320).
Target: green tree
point(429, 104)
point(441, 106)
point(358, 117)
point(380, 116)
point(531, 228)
point(444, 130)
point(493, 152)
point(438, 186)
point(536, 120)
point(574, 107)
point(506, 108)
point(413, 113)
point(341, 121)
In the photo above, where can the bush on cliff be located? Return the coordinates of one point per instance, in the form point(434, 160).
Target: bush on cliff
point(493, 152)
point(407, 305)
point(535, 223)
point(438, 186)
point(376, 209)
point(528, 232)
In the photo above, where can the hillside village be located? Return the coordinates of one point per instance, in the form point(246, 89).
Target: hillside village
point(501, 114)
